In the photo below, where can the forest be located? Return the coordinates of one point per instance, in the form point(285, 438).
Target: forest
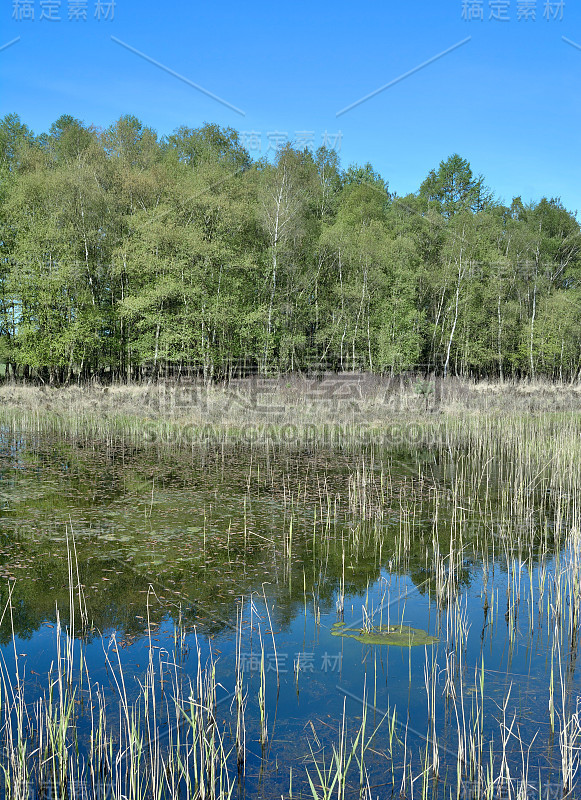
point(126, 254)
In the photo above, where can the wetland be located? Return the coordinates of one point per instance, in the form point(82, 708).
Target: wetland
point(294, 618)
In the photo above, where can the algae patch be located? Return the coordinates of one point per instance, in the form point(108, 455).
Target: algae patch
point(396, 635)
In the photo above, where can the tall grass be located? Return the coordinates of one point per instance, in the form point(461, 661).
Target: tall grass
point(499, 493)
point(162, 742)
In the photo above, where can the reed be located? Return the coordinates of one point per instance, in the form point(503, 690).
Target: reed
point(137, 747)
point(498, 501)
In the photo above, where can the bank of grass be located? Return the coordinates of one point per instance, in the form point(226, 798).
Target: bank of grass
point(294, 406)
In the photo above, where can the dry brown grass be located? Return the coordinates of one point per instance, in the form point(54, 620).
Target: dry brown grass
point(351, 398)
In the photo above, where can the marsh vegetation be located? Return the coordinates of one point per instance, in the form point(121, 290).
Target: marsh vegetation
point(170, 611)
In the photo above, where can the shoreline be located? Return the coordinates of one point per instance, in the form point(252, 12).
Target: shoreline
point(338, 411)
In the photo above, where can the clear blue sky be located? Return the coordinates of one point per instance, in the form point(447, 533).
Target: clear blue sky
point(507, 99)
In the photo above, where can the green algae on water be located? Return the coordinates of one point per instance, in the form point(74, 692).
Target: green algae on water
point(396, 635)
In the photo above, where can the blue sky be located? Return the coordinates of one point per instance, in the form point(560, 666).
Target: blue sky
point(507, 99)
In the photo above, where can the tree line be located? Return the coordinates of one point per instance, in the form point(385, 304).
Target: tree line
point(125, 254)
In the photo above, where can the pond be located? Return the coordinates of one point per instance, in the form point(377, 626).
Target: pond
point(273, 620)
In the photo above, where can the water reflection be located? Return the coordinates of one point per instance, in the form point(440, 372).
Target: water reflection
point(146, 539)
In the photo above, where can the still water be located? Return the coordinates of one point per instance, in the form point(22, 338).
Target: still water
point(273, 547)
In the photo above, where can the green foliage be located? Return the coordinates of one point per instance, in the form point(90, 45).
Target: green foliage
point(126, 253)
point(453, 188)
